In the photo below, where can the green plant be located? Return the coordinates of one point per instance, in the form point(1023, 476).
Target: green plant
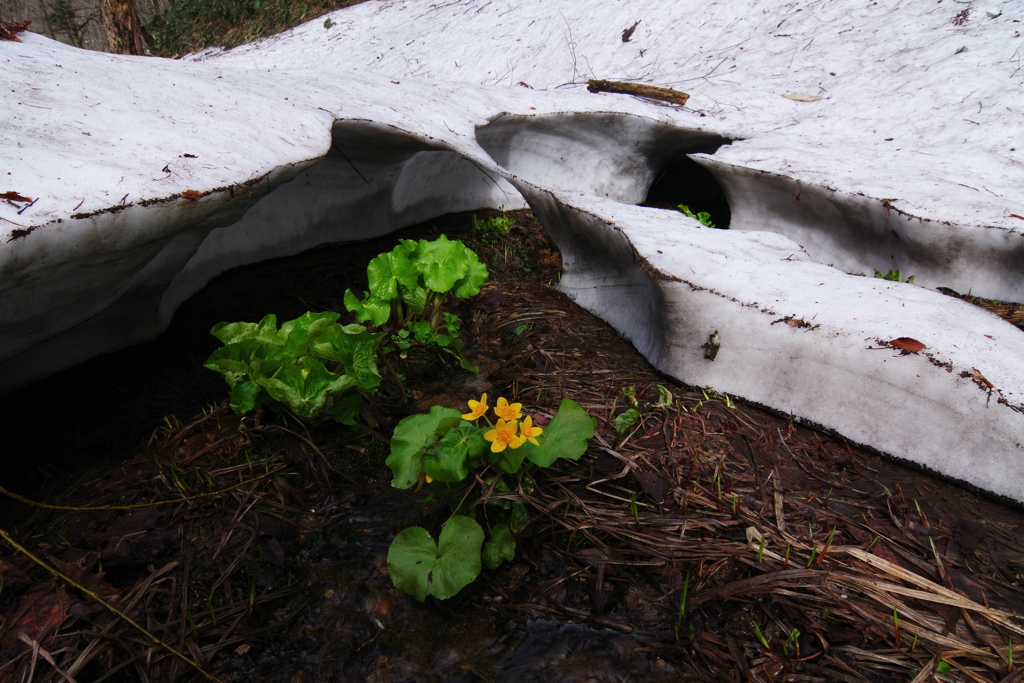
point(442, 447)
point(760, 636)
point(704, 217)
point(410, 284)
point(191, 25)
point(499, 225)
point(793, 641)
point(625, 420)
point(893, 276)
point(311, 365)
point(681, 612)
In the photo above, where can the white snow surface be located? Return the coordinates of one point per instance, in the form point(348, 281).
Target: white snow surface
point(152, 176)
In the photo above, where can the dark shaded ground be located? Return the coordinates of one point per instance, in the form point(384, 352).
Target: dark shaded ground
point(644, 560)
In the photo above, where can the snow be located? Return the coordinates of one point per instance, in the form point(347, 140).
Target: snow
point(152, 176)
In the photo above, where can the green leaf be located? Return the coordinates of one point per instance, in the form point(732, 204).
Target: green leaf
point(264, 331)
point(518, 517)
point(454, 347)
point(943, 668)
point(306, 393)
point(415, 298)
point(624, 422)
point(422, 330)
point(447, 461)
point(371, 309)
point(346, 408)
point(511, 459)
point(420, 567)
point(355, 348)
point(413, 437)
point(411, 248)
point(476, 275)
point(295, 335)
point(244, 397)
point(565, 436)
point(234, 360)
point(386, 271)
point(442, 263)
point(501, 547)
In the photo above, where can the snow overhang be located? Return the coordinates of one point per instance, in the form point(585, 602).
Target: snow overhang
point(846, 138)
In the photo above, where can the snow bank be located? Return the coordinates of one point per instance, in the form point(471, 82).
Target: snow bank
point(846, 136)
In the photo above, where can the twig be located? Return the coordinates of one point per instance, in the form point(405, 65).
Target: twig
point(74, 508)
point(652, 92)
point(74, 584)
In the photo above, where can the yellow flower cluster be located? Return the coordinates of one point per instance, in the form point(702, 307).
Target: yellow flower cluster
point(504, 433)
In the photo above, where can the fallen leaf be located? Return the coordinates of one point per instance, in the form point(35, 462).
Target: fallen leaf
point(191, 194)
point(10, 30)
point(981, 378)
point(93, 582)
point(802, 97)
point(14, 197)
point(40, 613)
point(907, 344)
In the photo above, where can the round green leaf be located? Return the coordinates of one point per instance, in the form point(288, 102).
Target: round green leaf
point(420, 567)
point(442, 263)
point(386, 271)
point(476, 275)
point(412, 438)
point(565, 436)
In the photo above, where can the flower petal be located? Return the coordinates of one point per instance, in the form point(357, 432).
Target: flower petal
point(477, 408)
point(508, 411)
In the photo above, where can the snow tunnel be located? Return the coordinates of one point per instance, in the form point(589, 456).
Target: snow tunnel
point(617, 156)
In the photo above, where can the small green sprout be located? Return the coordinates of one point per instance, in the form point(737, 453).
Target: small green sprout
point(893, 276)
point(499, 225)
point(704, 217)
point(896, 625)
point(682, 605)
point(760, 636)
point(793, 641)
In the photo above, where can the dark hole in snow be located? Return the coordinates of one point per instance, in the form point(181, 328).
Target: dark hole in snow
point(687, 182)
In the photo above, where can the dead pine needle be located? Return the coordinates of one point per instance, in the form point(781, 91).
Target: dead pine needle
point(74, 584)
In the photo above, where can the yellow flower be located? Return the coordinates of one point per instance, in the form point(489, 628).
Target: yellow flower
point(504, 436)
point(527, 432)
point(477, 408)
point(506, 411)
point(305, 373)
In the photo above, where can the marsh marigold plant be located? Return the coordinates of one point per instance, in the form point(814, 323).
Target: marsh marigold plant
point(441, 448)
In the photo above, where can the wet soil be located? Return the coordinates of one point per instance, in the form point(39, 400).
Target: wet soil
point(711, 540)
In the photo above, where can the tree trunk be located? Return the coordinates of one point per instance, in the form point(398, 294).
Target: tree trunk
point(121, 23)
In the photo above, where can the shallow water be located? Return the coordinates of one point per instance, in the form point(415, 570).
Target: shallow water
point(362, 629)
